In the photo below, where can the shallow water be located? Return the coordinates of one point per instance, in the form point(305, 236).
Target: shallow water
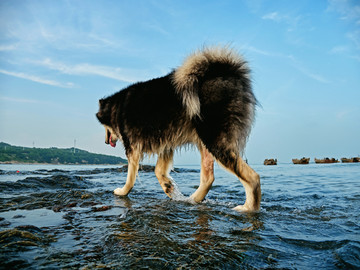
point(55, 217)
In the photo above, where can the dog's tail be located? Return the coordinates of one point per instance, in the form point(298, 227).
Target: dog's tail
point(207, 64)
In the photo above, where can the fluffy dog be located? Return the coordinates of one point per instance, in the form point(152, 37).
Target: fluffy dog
point(207, 102)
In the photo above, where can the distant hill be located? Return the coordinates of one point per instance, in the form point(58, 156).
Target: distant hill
point(19, 154)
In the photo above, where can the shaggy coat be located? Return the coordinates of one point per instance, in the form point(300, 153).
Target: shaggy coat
point(208, 102)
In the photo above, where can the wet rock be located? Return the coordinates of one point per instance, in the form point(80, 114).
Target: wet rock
point(19, 216)
point(70, 215)
point(124, 169)
point(86, 196)
point(57, 208)
point(87, 204)
point(150, 168)
point(146, 168)
point(29, 228)
point(57, 171)
point(183, 170)
point(101, 208)
point(58, 181)
point(96, 266)
point(4, 222)
point(23, 236)
point(102, 170)
point(73, 204)
point(23, 243)
point(142, 168)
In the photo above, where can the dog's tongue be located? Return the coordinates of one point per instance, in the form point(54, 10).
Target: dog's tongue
point(111, 142)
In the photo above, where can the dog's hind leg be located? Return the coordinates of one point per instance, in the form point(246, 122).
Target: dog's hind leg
point(251, 182)
point(206, 175)
point(133, 167)
point(162, 169)
point(248, 177)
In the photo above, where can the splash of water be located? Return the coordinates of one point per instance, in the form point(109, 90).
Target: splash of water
point(176, 195)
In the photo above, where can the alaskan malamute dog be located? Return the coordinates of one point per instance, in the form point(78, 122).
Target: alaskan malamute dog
point(207, 102)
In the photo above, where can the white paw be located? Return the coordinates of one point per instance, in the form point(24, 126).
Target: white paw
point(244, 208)
point(198, 196)
point(120, 192)
point(191, 199)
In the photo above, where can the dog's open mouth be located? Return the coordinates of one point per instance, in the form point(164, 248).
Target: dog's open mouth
point(109, 139)
point(112, 143)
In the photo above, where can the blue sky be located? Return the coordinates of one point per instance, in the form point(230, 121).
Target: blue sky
point(57, 58)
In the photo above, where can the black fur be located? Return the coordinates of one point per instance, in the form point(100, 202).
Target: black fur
point(152, 114)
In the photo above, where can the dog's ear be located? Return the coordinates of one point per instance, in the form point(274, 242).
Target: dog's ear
point(100, 114)
point(101, 102)
point(103, 113)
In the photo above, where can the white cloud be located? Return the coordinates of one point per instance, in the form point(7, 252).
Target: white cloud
point(36, 79)
point(289, 19)
point(19, 100)
point(346, 50)
point(256, 50)
point(11, 47)
point(354, 37)
point(115, 73)
point(339, 49)
point(274, 16)
point(156, 27)
point(265, 53)
point(347, 113)
point(311, 74)
point(292, 59)
point(348, 9)
point(293, 23)
point(35, 27)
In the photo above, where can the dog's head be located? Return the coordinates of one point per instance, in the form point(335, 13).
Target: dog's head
point(104, 116)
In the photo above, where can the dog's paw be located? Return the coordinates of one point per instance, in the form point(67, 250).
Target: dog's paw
point(193, 199)
point(120, 192)
point(244, 208)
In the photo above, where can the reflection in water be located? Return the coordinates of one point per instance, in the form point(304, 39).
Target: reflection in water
point(162, 234)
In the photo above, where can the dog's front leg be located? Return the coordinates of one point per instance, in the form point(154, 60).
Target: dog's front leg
point(162, 170)
point(133, 167)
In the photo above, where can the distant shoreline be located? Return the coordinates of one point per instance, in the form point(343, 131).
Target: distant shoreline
point(72, 164)
point(10, 154)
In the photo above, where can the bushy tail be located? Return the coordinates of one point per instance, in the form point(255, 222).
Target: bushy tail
point(201, 65)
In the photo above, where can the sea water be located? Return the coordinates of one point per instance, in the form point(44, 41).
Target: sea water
point(54, 216)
